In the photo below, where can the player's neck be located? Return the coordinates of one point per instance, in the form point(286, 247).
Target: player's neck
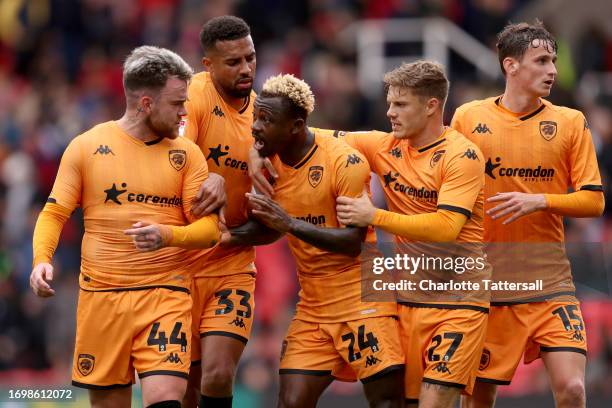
point(135, 127)
point(432, 131)
point(235, 102)
point(518, 101)
point(298, 150)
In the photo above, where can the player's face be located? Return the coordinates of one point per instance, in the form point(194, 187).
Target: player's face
point(536, 71)
point(232, 66)
point(271, 128)
point(168, 107)
point(407, 112)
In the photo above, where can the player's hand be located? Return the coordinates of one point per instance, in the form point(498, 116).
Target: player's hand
point(225, 236)
point(210, 197)
point(515, 203)
point(40, 277)
point(257, 164)
point(268, 212)
point(149, 237)
point(356, 212)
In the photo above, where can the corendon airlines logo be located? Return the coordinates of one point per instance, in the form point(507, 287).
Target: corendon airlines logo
point(419, 194)
point(495, 169)
point(116, 195)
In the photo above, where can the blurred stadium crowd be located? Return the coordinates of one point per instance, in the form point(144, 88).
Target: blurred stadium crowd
point(60, 73)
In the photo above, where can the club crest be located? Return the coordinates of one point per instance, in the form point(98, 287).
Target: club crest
point(85, 364)
point(177, 158)
point(548, 129)
point(315, 175)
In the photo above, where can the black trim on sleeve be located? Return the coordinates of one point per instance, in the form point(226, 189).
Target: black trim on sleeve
point(164, 372)
point(491, 381)
point(572, 349)
point(154, 142)
point(456, 209)
point(225, 334)
point(316, 373)
point(52, 200)
point(100, 387)
point(423, 149)
point(444, 383)
point(382, 373)
point(592, 187)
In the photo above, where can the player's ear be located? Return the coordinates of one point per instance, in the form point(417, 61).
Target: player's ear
point(510, 65)
point(207, 63)
point(145, 103)
point(432, 105)
point(298, 125)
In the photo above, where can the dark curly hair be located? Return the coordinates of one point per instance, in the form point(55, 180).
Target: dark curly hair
point(514, 40)
point(223, 28)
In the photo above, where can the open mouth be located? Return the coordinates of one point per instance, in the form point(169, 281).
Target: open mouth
point(258, 144)
point(549, 82)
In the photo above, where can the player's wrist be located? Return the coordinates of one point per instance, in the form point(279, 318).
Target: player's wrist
point(167, 234)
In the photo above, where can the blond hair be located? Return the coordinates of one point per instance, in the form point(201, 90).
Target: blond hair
point(424, 78)
point(292, 88)
point(150, 67)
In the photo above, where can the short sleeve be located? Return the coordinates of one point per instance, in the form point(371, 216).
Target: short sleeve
point(196, 172)
point(352, 174)
point(584, 170)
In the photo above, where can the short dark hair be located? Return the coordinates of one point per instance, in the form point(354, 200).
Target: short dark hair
point(223, 28)
point(150, 67)
point(514, 40)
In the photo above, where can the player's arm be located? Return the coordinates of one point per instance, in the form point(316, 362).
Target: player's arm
point(440, 226)
point(251, 233)
point(340, 240)
point(200, 233)
point(461, 185)
point(586, 201)
point(64, 198)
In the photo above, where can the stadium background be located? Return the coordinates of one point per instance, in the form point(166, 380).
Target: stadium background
point(60, 73)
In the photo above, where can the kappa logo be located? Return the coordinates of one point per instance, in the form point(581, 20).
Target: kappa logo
point(238, 322)
point(577, 335)
point(548, 129)
point(177, 158)
point(353, 159)
point(437, 155)
point(315, 175)
point(173, 358)
point(217, 111)
point(103, 150)
point(396, 152)
point(485, 359)
point(85, 364)
point(441, 367)
point(372, 360)
point(482, 128)
point(471, 154)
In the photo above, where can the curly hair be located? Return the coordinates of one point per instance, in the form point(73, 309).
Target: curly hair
point(296, 91)
point(223, 28)
point(514, 40)
point(424, 78)
point(149, 67)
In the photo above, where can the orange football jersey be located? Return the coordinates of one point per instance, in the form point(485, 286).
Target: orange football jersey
point(330, 282)
point(549, 150)
point(119, 180)
point(224, 136)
